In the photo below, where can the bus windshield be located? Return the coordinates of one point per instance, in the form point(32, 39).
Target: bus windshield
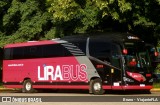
point(137, 57)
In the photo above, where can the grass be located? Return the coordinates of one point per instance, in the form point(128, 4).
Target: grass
point(156, 85)
point(1, 86)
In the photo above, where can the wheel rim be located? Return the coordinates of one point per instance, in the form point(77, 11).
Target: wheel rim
point(97, 86)
point(28, 86)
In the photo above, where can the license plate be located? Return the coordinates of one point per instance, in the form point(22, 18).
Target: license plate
point(142, 85)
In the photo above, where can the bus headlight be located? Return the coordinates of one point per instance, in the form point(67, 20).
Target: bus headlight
point(127, 79)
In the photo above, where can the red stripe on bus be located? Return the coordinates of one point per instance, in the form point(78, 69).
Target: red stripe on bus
point(137, 87)
point(13, 86)
point(62, 87)
point(106, 87)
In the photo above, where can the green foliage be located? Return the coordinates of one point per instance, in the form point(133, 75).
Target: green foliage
point(156, 85)
point(64, 9)
point(158, 1)
point(91, 12)
point(2, 4)
point(49, 34)
point(157, 33)
point(157, 69)
point(74, 15)
point(23, 20)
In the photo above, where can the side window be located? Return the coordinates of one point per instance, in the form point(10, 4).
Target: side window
point(144, 59)
point(1, 53)
point(100, 50)
point(14, 53)
point(33, 52)
point(40, 51)
point(53, 50)
point(8, 53)
point(18, 53)
point(116, 59)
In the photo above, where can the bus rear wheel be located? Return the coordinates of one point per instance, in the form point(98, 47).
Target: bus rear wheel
point(27, 86)
point(96, 86)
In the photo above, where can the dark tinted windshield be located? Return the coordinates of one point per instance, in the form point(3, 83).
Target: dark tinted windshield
point(137, 56)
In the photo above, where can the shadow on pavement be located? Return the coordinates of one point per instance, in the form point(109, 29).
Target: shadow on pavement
point(108, 92)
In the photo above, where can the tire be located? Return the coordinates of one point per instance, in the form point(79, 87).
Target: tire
point(96, 87)
point(27, 86)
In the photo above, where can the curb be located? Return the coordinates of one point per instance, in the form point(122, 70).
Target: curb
point(155, 89)
point(6, 89)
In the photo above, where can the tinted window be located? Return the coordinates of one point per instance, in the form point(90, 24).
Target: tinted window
point(18, 53)
point(100, 50)
point(40, 51)
point(1, 53)
point(33, 52)
point(53, 51)
point(116, 58)
point(8, 53)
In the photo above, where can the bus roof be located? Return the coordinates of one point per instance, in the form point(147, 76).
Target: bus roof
point(98, 36)
point(30, 43)
point(116, 36)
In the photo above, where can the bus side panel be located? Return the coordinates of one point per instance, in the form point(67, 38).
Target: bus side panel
point(91, 70)
point(52, 71)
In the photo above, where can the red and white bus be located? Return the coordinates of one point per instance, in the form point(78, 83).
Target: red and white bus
point(97, 63)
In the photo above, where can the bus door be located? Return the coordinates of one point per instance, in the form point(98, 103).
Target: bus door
point(116, 72)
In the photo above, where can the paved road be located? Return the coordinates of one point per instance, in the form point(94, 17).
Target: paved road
point(63, 95)
point(76, 93)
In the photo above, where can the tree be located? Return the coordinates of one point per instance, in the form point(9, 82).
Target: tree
point(25, 20)
point(121, 15)
point(74, 15)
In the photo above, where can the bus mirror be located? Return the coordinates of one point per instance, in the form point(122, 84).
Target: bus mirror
point(156, 54)
point(125, 51)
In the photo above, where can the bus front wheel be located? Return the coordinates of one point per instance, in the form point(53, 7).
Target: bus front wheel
point(27, 86)
point(96, 86)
